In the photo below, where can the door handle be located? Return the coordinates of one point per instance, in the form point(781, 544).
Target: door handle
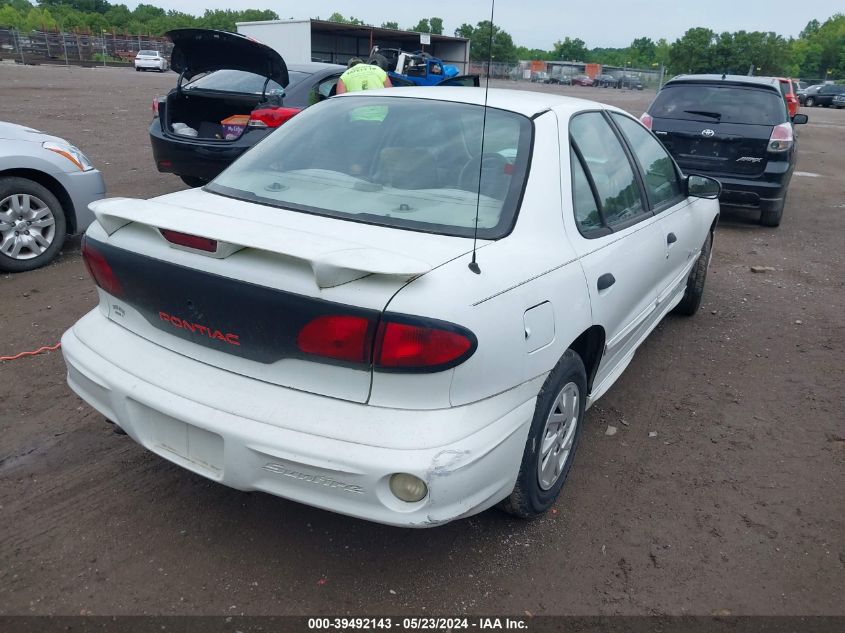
point(605, 281)
point(671, 238)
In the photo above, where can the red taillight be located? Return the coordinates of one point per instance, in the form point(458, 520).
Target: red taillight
point(155, 107)
point(337, 336)
point(781, 138)
point(100, 270)
point(646, 120)
point(271, 117)
point(399, 346)
point(402, 345)
point(189, 241)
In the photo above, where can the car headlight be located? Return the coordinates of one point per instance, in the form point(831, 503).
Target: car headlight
point(73, 154)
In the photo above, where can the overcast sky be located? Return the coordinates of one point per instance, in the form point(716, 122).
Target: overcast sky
point(539, 23)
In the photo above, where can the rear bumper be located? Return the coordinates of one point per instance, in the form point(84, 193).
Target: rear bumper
point(195, 158)
point(150, 63)
point(762, 191)
point(227, 428)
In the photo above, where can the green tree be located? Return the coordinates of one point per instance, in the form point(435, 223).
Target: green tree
point(465, 30)
point(10, 17)
point(693, 52)
point(436, 25)
point(390, 25)
point(479, 48)
point(570, 49)
point(339, 17)
point(421, 27)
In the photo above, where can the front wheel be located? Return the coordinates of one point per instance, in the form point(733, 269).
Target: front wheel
point(552, 439)
point(695, 282)
point(32, 225)
point(810, 102)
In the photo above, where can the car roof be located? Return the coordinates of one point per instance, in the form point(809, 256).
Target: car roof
point(768, 82)
point(525, 102)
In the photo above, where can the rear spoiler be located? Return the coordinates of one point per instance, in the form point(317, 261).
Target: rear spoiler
point(334, 262)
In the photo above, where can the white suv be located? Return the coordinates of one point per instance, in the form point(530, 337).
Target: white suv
point(150, 60)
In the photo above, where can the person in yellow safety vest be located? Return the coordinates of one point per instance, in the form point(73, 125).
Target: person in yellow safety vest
point(361, 76)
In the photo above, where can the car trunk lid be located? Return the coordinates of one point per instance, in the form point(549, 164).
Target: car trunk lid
point(244, 306)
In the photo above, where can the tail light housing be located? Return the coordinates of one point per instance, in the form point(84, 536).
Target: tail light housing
point(781, 138)
point(271, 117)
point(100, 270)
point(396, 344)
point(187, 240)
point(646, 120)
point(154, 107)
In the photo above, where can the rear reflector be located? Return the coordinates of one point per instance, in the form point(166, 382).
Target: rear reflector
point(337, 336)
point(100, 270)
point(271, 117)
point(402, 344)
point(189, 241)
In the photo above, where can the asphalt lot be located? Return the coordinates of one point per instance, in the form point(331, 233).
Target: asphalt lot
point(737, 505)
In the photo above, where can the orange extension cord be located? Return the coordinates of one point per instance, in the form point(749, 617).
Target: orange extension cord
point(46, 348)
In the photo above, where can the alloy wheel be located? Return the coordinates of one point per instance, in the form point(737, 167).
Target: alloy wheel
point(27, 226)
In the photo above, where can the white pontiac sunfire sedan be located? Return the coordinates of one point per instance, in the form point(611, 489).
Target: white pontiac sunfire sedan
point(308, 324)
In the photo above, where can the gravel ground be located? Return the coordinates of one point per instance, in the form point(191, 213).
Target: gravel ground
point(736, 505)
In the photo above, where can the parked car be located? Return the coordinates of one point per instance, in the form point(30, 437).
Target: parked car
point(823, 95)
point(316, 323)
point(539, 77)
point(581, 80)
point(809, 91)
point(838, 101)
point(561, 80)
point(629, 81)
point(605, 81)
point(734, 128)
point(788, 92)
point(45, 187)
point(150, 60)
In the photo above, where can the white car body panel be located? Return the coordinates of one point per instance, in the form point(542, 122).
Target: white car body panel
point(331, 436)
point(148, 61)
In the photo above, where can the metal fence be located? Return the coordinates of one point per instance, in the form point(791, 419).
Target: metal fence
point(49, 47)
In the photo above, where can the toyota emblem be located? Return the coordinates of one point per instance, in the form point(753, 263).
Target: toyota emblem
point(708, 132)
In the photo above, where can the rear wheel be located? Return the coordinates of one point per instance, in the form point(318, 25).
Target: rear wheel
point(695, 282)
point(193, 181)
point(810, 102)
point(137, 70)
point(32, 225)
point(552, 439)
point(772, 217)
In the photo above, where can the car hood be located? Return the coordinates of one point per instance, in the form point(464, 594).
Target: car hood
point(14, 132)
point(197, 51)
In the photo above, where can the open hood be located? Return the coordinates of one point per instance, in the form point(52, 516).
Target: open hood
point(197, 51)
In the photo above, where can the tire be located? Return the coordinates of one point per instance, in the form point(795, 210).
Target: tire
point(810, 102)
point(695, 282)
point(30, 208)
point(564, 392)
point(137, 70)
point(193, 181)
point(772, 217)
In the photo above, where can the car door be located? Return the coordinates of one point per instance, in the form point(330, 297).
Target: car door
point(679, 219)
point(619, 241)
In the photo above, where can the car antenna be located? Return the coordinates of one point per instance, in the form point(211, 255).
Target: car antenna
point(473, 265)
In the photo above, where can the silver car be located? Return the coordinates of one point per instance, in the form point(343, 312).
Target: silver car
point(46, 185)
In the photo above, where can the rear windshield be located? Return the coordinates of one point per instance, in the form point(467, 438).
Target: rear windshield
point(148, 53)
point(719, 104)
point(241, 82)
point(394, 161)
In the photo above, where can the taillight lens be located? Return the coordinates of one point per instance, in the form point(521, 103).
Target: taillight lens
point(271, 117)
point(407, 346)
point(646, 120)
point(781, 138)
point(189, 241)
point(100, 270)
point(155, 107)
point(398, 344)
point(341, 337)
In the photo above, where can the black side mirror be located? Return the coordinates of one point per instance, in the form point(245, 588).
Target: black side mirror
point(703, 187)
point(800, 119)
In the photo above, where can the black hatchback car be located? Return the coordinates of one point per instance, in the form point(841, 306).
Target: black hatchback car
point(231, 93)
point(735, 129)
point(823, 95)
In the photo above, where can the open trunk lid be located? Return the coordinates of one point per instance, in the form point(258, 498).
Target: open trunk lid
point(244, 306)
point(197, 51)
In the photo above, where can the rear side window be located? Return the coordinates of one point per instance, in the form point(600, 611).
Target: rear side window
point(619, 197)
point(586, 210)
point(659, 173)
point(719, 104)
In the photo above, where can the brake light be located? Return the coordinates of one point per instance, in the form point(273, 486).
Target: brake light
point(402, 345)
point(396, 345)
point(337, 336)
point(271, 117)
point(189, 241)
point(781, 138)
point(155, 107)
point(646, 120)
point(100, 270)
